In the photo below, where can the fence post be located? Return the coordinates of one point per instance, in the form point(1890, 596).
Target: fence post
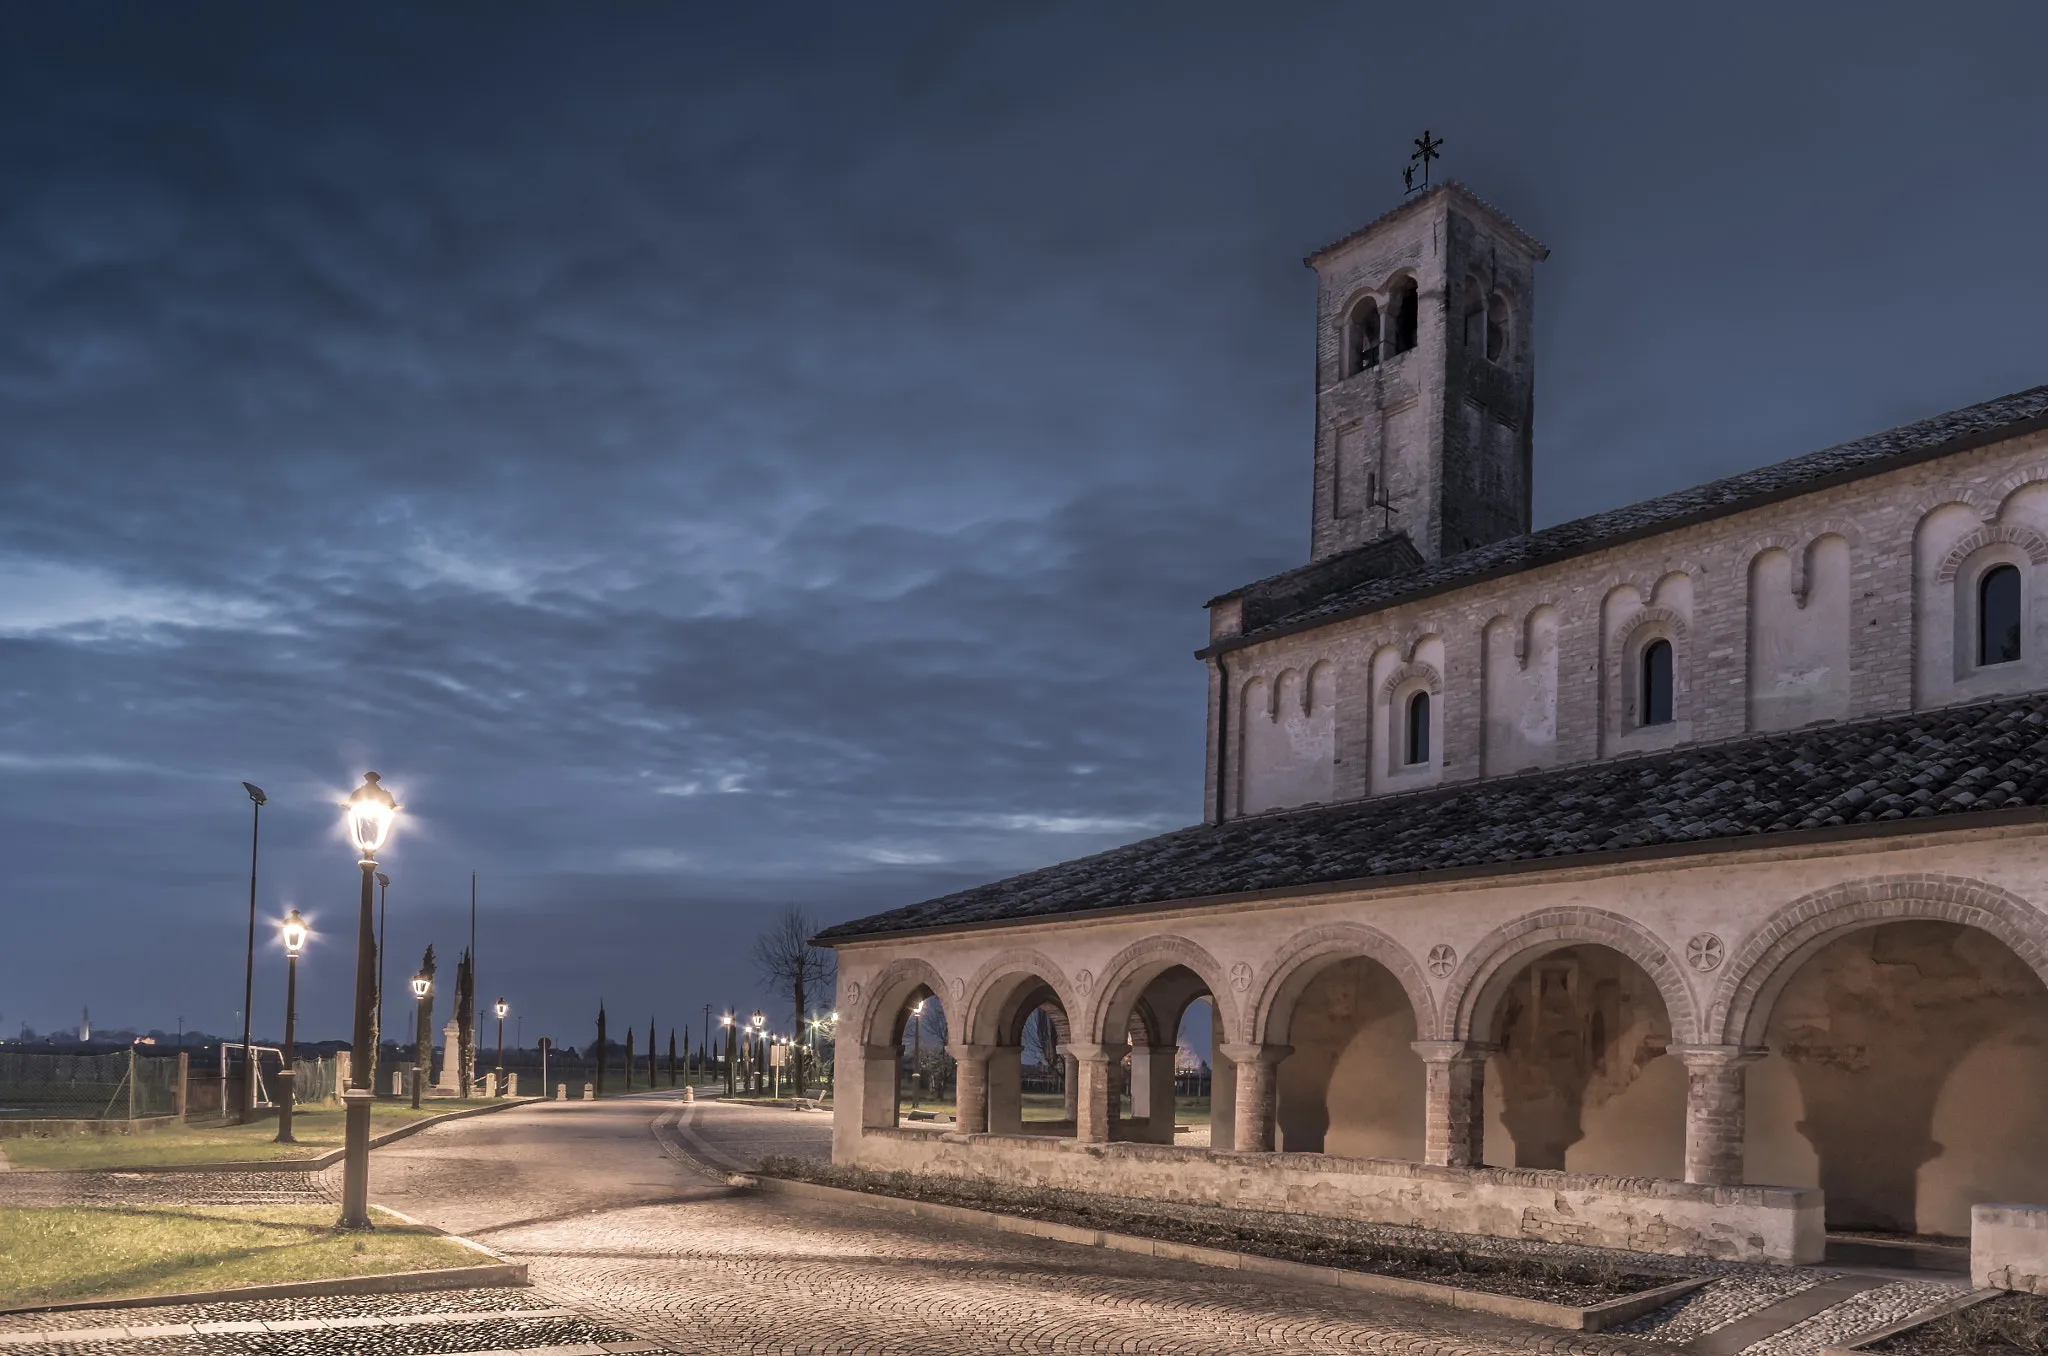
point(131, 1082)
point(184, 1072)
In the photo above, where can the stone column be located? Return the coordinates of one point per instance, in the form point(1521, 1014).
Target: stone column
point(1006, 1090)
point(1715, 1107)
point(1257, 1095)
point(1152, 1090)
point(1222, 1101)
point(1095, 1087)
point(970, 1087)
point(1071, 1109)
point(1454, 1121)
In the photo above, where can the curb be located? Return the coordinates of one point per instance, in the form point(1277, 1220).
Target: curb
point(1573, 1318)
point(324, 1161)
point(1858, 1346)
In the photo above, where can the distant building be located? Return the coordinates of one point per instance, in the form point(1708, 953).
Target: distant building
point(1684, 847)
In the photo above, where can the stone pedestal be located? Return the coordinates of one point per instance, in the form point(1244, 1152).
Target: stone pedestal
point(451, 1058)
point(2009, 1247)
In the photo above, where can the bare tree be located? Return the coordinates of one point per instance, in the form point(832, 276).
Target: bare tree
point(788, 963)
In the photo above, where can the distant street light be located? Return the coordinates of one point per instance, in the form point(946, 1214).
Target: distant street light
point(502, 1009)
point(371, 810)
point(916, 1048)
point(423, 1054)
point(295, 931)
point(246, 1110)
point(756, 1056)
point(725, 1020)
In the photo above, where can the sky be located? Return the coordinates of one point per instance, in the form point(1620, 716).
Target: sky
point(711, 458)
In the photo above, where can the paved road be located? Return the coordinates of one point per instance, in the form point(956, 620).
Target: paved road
point(624, 1225)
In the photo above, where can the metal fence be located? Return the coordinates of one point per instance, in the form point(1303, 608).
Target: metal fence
point(117, 1086)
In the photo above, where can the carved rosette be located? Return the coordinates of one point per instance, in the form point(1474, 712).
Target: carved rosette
point(1705, 952)
point(1241, 976)
point(1443, 958)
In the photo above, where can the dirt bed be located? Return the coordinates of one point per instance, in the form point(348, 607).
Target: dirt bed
point(2011, 1325)
point(1574, 1282)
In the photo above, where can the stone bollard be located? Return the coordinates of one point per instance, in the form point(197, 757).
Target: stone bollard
point(511, 1085)
point(689, 1093)
point(561, 1092)
point(398, 1082)
point(590, 1092)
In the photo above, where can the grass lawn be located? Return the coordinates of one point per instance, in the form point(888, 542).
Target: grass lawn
point(48, 1256)
point(318, 1129)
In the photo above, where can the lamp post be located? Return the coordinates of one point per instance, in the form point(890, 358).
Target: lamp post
point(295, 931)
point(422, 1055)
point(246, 1109)
point(916, 1048)
point(383, 897)
point(756, 1055)
point(725, 1021)
point(371, 810)
point(501, 1009)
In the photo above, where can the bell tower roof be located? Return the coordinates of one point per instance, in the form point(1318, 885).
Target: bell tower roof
point(1500, 221)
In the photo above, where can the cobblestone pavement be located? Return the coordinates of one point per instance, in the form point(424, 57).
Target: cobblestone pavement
point(633, 1235)
point(168, 1188)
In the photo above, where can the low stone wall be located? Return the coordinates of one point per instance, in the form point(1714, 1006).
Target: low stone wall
point(1642, 1214)
point(2009, 1247)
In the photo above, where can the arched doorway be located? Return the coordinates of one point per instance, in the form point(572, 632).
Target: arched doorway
point(1162, 1032)
point(1017, 1058)
point(1581, 1078)
point(1907, 1076)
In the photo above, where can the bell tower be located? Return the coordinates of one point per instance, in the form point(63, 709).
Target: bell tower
point(1425, 377)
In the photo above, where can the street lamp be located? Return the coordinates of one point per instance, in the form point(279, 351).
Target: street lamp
point(383, 897)
point(501, 1009)
point(725, 1021)
point(916, 1048)
point(247, 1109)
point(371, 809)
point(423, 1053)
point(756, 1056)
point(295, 931)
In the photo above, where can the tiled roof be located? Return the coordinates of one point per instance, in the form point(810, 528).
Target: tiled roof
point(1947, 764)
point(1975, 425)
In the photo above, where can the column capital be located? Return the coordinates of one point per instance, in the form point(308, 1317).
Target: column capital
point(1255, 1054)
point(1096, 1054)
point(1453, 1052)
point(971, 1054)
point(1705, 1058)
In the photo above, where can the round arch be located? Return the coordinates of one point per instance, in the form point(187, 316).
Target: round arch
point(1475, 988)
point(1742, 1002)
point(1297, 964)
point(996, 984)
point(890, 990)
point(1128, 972)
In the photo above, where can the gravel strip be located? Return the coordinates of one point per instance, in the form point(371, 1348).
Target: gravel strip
point(420, 1340)
point(1726, 1300)
point(165, 1188)
point(1857, 1315)
point(484, 1301)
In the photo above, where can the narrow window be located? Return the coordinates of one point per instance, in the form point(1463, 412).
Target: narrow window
point(1362, 338)
point(1407, 315)
point(1656, 697)
point(1998, 615)
point(1496, 328)
point(1418, 729)
point(1475, 312)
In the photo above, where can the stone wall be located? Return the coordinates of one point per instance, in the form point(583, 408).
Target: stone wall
point(1737, 1223)
point(2009, 1247)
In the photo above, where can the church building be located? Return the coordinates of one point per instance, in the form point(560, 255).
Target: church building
point(1674, 879)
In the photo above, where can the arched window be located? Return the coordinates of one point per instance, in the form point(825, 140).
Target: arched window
point(1655, 705)
point(1496, 328)
point(1362, 338)
point(1417, 749)
point(1407, 315)
point(1475, 312)
point(1998, 615)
